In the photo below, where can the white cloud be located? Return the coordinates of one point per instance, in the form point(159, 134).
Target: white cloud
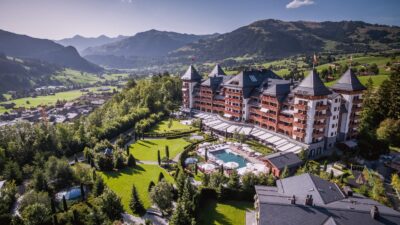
point(299, 3)
point(126, 1)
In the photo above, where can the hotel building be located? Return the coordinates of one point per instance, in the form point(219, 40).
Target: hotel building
point(307, 111)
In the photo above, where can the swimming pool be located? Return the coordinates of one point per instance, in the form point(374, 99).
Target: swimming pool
point(227, 156)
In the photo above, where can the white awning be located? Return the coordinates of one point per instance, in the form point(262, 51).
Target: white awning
point(264, 110)
point(227, 115)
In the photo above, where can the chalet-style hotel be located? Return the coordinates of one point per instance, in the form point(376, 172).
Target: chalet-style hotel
point(306, 114)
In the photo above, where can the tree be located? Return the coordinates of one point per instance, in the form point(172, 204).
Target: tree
point(98, 186)
point(158, 157)
point(234, 180)
point(58, 172)
point(206, 155)
point(135, 204)
point(395, 182)
point(12, 171)
point(196, 168)
point(331, 174)
point(303, 155)
point(39, 181)
point(131, 161)
point(65, 205)
point(82, 192)
point(160, 177)
point(389, 131)
point(285, 172)
point(249, 179)
point(180, 182)
point(53, 206)
point(151, 185)
point(119, 162)
point(167, 151)
point(216, 180)
point(162, 196)
point(111, 205)
point(36, 214)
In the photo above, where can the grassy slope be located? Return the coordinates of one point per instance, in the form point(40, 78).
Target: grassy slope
point(226, 213)
point(147, 149)
point(49, 99)
point(121, 182)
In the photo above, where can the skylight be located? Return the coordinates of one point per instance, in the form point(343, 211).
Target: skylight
point(253, 78)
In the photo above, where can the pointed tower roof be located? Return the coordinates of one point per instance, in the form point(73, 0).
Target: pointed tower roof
point(191, 74)
point(348, 82)
point(312, 85)
point(217, 71)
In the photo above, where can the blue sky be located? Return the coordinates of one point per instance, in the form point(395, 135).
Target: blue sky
point(57, 19)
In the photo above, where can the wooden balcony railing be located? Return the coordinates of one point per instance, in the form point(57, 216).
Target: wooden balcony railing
point(300, 116)
point(300, 134)
point(301, 107)
point(300, 125)
point(319, 126)
point(321, 107)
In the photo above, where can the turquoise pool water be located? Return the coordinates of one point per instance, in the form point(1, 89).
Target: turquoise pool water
point(73, 193)
point(229, 157)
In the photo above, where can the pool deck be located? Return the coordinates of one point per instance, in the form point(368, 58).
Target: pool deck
point(237, 151)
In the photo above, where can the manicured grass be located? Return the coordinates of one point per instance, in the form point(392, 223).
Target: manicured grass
point(224, 213)
point(163, 126)
point(73, 76)
point(146, 150)
point(121, 182)
point(49, 99)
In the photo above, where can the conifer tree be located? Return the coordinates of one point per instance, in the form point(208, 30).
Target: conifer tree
point(135, 204)
point(65, 204)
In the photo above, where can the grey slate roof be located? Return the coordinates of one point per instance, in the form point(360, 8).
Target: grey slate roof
point(248, 80)
point(312, 85)
point(214, 82)
point(329, 207)
point(348, 82)
point(282, 159)
point(191, 74)
point(217, 71)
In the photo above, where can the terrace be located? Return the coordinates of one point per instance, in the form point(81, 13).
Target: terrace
point(278, 142)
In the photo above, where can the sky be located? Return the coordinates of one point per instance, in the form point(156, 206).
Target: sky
point(57, 19)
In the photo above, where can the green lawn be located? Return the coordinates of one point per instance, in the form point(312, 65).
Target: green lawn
point(68, 76)
point(121, 182)
point(49, 99)
point(147, 149)
point(226, 213)
point(377, 80)
point(163, 126)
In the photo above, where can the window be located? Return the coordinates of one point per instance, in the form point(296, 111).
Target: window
point(253, 78)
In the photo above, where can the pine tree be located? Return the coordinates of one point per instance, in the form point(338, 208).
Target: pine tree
point(151, 185)
point(94, 174)
point(98, 187)
point(160, 177)
point(331, 175)
point(82, 192)
point(234, 180)
point(196, 168)
point(131, 161)
point(135, 204)
point(206, 155)
point(65, 204)
point(53, 206)
point(158, 157)
point(167, 151)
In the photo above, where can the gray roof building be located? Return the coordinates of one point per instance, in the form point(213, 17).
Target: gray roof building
point(191, 74)
point(309, 200)
point(282, 159)
point(312, 85)
point(348, 82)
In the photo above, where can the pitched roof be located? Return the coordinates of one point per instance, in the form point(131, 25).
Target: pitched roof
point(348, 82)
point(250, 79)
point(281, 159)
point(217, 71)
point(312, 85)
point(191, 74)
point(214, 82)
point(329, 207)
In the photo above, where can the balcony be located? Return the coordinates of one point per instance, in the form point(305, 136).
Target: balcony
point(320, 116)
point(269, 123)
point(318, 135)
point(301, 107)
point(321, 107)
point(301, 116)
point(286, 119)
point(285, 128)
point(319, 126)
point(300, 134)
point(300, 125)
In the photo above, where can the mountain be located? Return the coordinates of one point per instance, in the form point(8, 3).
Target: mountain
point(152, 43)
point(20, 75)
point(270, 39)
point(26, 47)
point(81, 43)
